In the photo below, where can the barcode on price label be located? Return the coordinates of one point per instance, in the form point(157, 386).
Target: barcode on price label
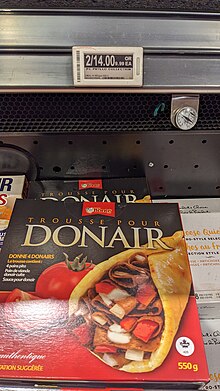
point(107, 66)
point(78, 66)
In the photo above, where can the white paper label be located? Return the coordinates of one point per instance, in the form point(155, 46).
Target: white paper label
point(211, 338)
point(107, 66)
point(202, 233)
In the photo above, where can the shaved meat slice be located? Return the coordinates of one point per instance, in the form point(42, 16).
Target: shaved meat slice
point(120, 358)
point(128, 304)
point(98, 304)
point(155, 308)
point(150, 346)
point(91, 293)
point(130, 274)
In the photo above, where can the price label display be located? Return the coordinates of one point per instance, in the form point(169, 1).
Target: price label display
point(107, 66)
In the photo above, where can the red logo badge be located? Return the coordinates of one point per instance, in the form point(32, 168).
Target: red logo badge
point(90, 184)
point(98, 208)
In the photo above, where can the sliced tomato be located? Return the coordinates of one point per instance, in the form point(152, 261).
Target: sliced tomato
point(128, 323)
point(19, 295)
point(104, 287)
point(145, 329)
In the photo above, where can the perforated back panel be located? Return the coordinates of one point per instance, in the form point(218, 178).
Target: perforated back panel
point(67, 113)
point(116, 135)
point(180, 5)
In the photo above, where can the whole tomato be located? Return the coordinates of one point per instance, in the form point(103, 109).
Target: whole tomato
point(58, 280)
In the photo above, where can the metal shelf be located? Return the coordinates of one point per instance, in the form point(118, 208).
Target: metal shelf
point(177, 5)
point(181, 51)
point(79, 135)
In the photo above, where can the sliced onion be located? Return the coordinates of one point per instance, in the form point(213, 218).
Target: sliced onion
point(117, 328)
point(118, 311)
point(134, 355)
point(119, 338)
point(99, 319)
point(109, 360)
point(118, 294)
point(139, 258)
point(105, 298)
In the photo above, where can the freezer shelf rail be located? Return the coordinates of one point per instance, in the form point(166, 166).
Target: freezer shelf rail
point(181, 50)
point(106, 132)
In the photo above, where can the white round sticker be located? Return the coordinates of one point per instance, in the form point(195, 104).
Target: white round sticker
point(185, 346)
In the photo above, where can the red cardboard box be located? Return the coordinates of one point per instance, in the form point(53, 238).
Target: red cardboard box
point(99, 293)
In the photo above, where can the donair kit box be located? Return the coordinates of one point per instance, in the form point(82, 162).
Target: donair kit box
point(122, 190)
point(101, 293)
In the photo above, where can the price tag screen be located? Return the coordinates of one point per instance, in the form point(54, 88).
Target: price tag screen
point(107, 66)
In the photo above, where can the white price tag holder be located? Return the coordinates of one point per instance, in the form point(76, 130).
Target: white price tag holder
point(107, 66)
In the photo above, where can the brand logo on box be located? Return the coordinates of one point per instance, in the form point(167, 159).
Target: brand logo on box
point(90, 184)
point(3, 199)
point(98, 208)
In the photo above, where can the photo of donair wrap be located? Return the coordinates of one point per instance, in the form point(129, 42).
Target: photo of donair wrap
point(108, 285)
point(125, 305)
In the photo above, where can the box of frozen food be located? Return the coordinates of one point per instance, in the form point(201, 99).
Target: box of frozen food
point(6, 208)
point(122, 190)
point(15, 186)
point(100, 293)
